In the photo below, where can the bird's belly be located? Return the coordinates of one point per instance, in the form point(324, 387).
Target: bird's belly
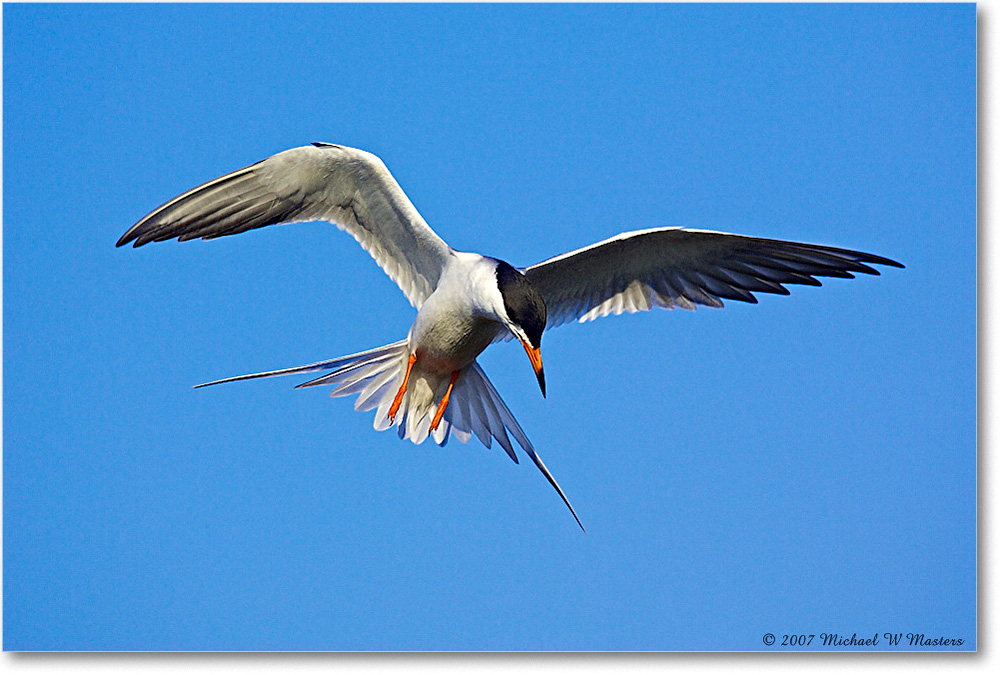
point(445, 346)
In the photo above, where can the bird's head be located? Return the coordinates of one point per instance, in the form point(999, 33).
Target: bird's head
point(524, 314)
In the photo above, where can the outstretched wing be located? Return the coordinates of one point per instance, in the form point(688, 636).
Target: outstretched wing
point(674, 267)
point(347, 187)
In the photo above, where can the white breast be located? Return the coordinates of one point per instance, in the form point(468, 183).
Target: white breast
point(461, 317)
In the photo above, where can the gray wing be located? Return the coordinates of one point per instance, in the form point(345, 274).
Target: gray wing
point(674, 267)
point(349, 188)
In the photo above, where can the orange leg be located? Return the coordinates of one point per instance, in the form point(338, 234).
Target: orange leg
point(394, 408)
point(444, 402)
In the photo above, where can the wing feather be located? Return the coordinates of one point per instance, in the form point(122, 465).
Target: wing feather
point(348, 187)
point(674, 267)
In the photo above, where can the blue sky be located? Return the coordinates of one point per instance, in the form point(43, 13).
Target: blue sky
point(802, 466)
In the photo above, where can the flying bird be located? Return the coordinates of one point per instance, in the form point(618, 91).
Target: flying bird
point(429, 384)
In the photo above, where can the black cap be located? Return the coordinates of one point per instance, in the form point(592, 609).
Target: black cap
point(522, 301)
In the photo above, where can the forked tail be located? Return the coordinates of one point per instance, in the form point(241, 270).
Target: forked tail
point(474, 409)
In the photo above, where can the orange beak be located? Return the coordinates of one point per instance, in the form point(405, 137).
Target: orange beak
point(536, 362)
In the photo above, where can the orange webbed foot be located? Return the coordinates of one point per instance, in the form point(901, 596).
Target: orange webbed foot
point(394, 408)
point(444, 402)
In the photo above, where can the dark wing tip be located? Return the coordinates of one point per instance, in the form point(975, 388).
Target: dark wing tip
point(138, 234)
point(126, 238)
point(875, 260)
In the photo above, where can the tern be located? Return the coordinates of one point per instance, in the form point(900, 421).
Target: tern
point(429, 384)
